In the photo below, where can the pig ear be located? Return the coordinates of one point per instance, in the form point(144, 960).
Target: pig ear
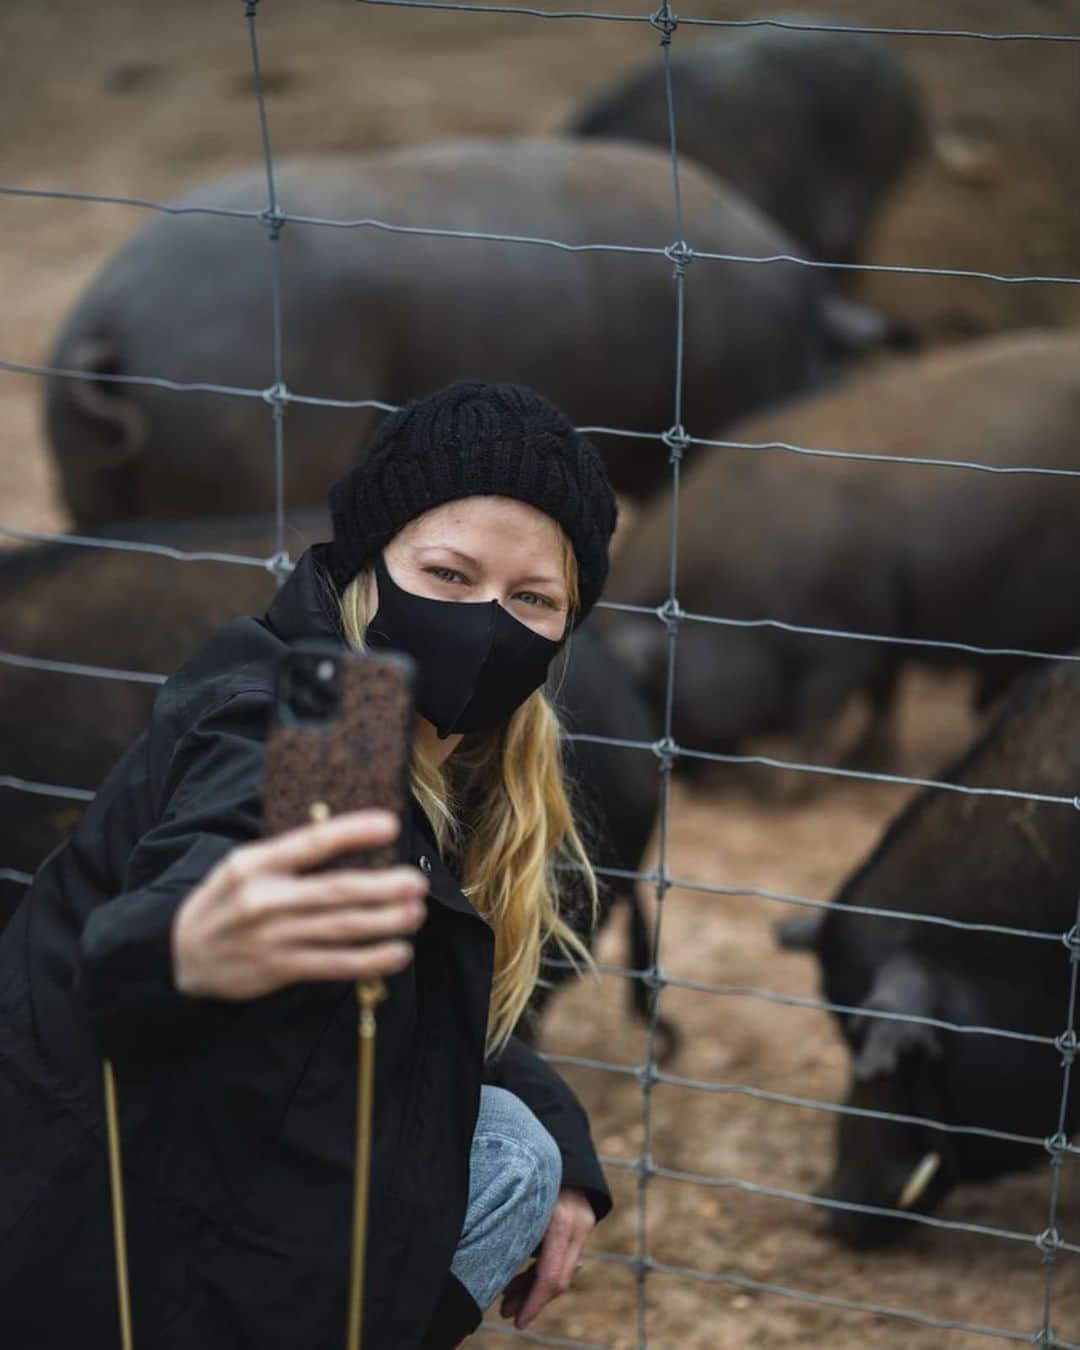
point(902, 988)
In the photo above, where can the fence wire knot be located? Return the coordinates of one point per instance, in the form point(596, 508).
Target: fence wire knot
point(1048, 1243)
point(1056, 1145)
point(643, 1166)
point(646, 1073)
point(279, 565)
point(680, 254)
point(273, 217)
point(250, 6)
point(659, 880)
point(277, 395)
point(1066, 1045)
point(653, 979)
point(1071, 940)
point(676, 440)
point(664, 22)
point(669, 613)
point(665, 751)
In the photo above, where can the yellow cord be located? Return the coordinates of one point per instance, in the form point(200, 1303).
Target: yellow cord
point(116, 1190)
point(368, 994)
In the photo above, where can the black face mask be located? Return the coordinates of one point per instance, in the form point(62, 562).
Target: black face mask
point(475, 662)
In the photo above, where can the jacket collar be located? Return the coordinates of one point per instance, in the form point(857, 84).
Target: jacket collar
point(306, 607)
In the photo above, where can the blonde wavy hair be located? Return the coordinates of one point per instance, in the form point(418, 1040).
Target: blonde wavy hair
point(499, 805)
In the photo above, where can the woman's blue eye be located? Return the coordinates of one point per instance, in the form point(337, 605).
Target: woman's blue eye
point(531, 597)
point(445, 573)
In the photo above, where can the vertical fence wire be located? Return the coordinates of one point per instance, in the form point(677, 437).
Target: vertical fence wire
point(277, 395)
point(665, 23)
point(1050, 1242)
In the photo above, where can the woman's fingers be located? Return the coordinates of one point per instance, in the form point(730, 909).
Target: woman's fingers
point(516, 1292)
point(572, 1220)
point(307, 846)
point(372, 923)
point(551, 1277)
point(342, 963)
point(253, 925)
point(267, 896)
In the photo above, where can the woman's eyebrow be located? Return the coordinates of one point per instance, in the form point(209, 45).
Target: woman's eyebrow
point(446, 548)
point(541, 580)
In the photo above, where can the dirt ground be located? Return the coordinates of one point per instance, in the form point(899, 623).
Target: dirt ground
point(121, 96)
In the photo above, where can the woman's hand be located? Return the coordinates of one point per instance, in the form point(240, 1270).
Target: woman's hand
point(572, 1220)
point(252, 925)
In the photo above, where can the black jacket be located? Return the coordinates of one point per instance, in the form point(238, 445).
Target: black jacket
point(236, 1117)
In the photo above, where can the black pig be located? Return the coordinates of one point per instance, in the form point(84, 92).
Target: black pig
point(813, 127)
point(978, 860)
point(896, 549)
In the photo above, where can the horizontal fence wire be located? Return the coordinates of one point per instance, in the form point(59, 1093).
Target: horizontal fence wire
point(74, 668)
point(712, 1181)
point(538, 1338)
point(718, 889)
point(673, 750)
point(287, 396)
point(828, 1300)
point(726, 1087)
point(876, 456)
point(807, 902)
point(662, 980)
point(278, 397)
point(36, 789)
point(665, 613)
point(676, 614)
point(134, 546)
point(874, 1014)
point(661, 748)
point(282, 217)
point(688, 20)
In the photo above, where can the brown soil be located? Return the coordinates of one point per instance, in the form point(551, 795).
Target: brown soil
point(121, 96)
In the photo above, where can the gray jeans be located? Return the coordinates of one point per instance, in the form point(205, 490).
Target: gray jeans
point(515, 1172)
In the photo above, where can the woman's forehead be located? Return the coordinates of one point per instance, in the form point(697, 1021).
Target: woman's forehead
point(488, 526)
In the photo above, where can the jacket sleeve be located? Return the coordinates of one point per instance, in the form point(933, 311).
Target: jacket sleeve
point(209, 802)
point(521, 1071)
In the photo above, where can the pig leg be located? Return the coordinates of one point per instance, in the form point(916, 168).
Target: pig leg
point(877, 747)
point(668, 1035)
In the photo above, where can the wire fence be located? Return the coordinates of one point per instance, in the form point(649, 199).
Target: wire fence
point(675, 440)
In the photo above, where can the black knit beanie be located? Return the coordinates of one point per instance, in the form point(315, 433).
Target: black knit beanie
point(473, 438)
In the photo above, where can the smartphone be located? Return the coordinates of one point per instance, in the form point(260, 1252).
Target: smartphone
point(340, 739)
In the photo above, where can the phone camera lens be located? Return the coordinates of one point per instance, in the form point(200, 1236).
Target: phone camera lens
point(312, 689)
